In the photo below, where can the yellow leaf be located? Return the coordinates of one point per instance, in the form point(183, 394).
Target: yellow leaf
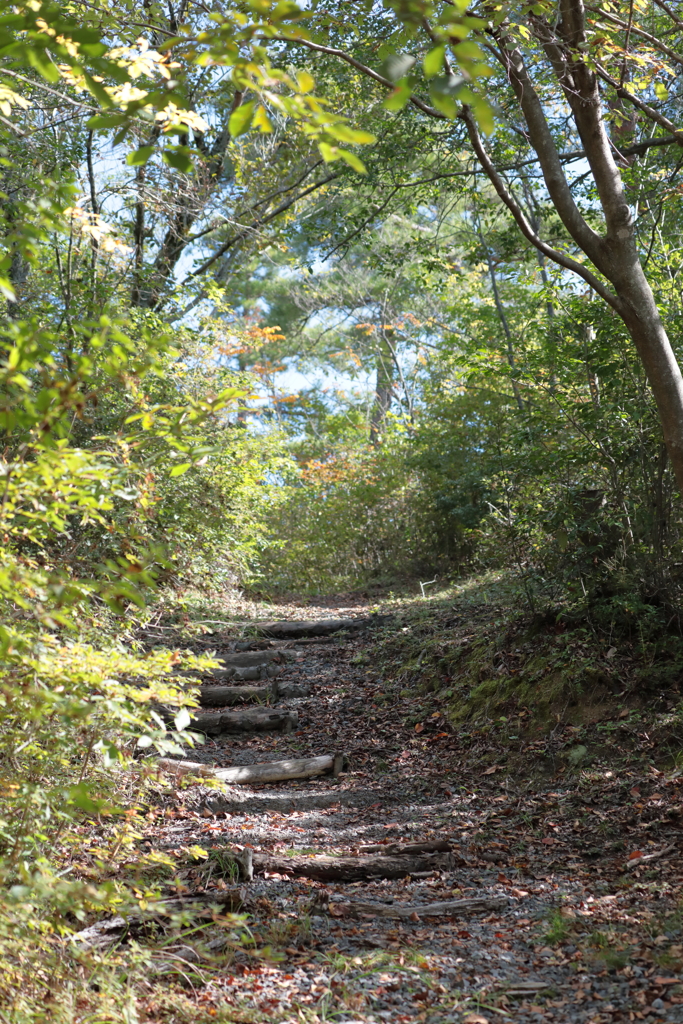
point(306, 81)
point(262, 121)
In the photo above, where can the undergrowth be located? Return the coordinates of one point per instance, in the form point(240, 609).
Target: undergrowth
point(486, 660)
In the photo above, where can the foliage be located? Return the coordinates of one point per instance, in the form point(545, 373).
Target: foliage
point(195, 205)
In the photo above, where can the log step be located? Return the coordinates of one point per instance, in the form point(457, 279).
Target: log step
point(286, 630)
point(252, 720)
point(221, 696)
point(450, 908)
point(269, 771)
point(354, 869)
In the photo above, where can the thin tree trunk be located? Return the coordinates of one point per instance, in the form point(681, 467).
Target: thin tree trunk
point(138, 239)
point(384, 386)
point(502, 316)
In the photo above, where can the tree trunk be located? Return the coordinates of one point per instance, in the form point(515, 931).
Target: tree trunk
point(641, 316)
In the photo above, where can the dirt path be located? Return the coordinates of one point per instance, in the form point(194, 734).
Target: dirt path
point(582, 934)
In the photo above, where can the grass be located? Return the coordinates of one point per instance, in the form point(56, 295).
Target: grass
point(559, 928)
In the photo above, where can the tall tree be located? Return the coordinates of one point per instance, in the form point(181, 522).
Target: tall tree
point(561, 80)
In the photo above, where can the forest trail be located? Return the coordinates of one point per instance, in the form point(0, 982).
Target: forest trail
point(569, 928)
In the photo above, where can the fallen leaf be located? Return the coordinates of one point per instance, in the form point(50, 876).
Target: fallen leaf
point(419, 727)
point(548, 841)
point(492, 769)
point(414, 916)
point(475, 1018)
point(635, 855)
point(635, 791)
point(666, 981)
point(519, 893)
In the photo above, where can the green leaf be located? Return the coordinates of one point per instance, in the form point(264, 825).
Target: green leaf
point(483, 111)
point(397, 66)
point(80, 796)
point(328, 153)
point(178, 158)
point(433, 62)
point(661, 91)
point(6, 289)
point(443, 92)
point(105, 121)
point(353, 161)
point(240, 119)
point(179, 470)
point(140, 156)
point(398, 99)
point(98, 91)
point(468, 50)
point(345, 133)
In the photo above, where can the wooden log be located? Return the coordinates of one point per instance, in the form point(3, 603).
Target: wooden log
point(243, 659)
point(352, 869)
point(290, 630)
point(253, 774)
point(221, 696)
point(286, 690)
point(396, 849)
point(168, 764)
point(451, 908)
point(108, 932)
point(278, 771)
point(247, 666)
point(245, 673)
point(251, 720)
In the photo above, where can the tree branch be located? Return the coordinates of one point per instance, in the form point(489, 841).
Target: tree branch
point(257, 224)
point(565, 49)
point(348, 59)
point(653, 114)
point(632, 29)
point(672, 15)
point(543, 142)
point(522, 222)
